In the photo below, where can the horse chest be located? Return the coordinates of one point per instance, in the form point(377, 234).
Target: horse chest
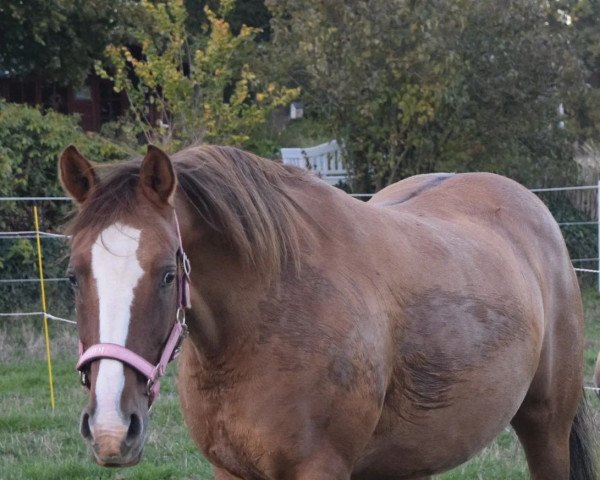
point(219, 423)
point(230, 440)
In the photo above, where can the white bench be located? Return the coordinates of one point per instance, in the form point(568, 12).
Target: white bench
point(325, 160)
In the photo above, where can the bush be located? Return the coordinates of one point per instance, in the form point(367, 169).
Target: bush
point(30, 143)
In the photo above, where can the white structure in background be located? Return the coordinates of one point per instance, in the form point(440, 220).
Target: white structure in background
point(296, 110)
point(325, 160)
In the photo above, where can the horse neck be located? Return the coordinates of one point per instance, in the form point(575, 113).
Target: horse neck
point(225, 294)
point(229, 301)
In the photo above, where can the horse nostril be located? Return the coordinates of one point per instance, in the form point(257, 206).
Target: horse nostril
point(85, 427)
point(134, 430)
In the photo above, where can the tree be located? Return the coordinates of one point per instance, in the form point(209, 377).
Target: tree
point(30, 143)
point(585, 18)
point(252, 13)
point(58, 40)
point(185, 90)
point(414, 87)
point(504, 114)
point(367, 66)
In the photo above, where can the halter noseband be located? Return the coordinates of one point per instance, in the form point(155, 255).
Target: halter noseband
point(171, 349)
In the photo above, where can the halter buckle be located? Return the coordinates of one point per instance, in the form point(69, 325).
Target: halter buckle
point(83, 378)
point(149, 386)
point(180, 316)
point(182, 337)
point(187, 266)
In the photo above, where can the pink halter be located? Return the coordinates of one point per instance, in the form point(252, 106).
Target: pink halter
point(172, 346)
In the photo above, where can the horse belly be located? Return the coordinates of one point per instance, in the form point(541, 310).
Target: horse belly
point(423, 433)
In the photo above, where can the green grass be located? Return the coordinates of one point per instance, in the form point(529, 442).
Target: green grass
point(38, 443)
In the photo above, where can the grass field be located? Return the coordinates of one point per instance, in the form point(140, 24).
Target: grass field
point(38, 443)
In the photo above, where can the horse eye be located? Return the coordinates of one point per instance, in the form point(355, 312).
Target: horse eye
point(168, 278)
point(73, 280)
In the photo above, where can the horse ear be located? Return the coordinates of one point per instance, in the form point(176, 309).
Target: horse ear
point(76, 174)
point(157, 177)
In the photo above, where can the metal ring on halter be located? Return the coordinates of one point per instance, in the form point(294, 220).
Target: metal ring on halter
point(83, 378)
point(179, 345)
point(149, 386)
point(187, 267)
point(180, 315)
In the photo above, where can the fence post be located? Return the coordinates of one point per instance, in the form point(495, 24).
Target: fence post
point(598, 214)
point(43, 292)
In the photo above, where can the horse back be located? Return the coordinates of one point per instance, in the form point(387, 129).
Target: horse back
point(487, 234)
point(482, 207)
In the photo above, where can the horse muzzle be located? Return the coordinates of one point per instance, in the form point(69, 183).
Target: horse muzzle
point(115, 444)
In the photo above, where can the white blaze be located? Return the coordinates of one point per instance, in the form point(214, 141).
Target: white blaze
point(116, 269)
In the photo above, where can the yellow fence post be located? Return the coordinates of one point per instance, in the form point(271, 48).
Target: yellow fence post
point(43, 290)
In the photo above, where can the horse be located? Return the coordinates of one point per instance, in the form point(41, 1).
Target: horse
point(328, 338)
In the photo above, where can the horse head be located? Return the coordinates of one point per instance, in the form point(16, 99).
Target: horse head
point(128, 272)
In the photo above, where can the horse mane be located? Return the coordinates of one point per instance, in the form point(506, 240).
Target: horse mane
point(246, 199)
point(241, 197)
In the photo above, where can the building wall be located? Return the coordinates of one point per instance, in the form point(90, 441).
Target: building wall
point(95, 102)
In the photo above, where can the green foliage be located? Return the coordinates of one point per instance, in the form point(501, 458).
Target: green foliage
point(503, 113)
point(582, 239)
point(413, 87)
point(58, 40)
point(585, 17)
point(267, 139)
point(122, 131)
point(192, 90)
point(252, 13)
point(30, 142)
point(368, 64)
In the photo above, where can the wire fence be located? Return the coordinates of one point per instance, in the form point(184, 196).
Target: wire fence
point(585, 201)
point(581, 264)
point(19, 292)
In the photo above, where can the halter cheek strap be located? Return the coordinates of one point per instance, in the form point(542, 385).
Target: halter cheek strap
point(171, 348)
point(184, 269)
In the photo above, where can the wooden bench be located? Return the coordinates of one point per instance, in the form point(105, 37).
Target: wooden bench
point(325, 160)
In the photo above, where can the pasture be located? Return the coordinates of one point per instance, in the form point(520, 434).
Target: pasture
point(36, 442)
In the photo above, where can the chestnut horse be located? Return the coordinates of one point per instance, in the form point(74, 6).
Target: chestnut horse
point(328, 338)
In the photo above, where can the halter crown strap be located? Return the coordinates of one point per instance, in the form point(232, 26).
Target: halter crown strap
point(184, 270)
point(171, 348)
